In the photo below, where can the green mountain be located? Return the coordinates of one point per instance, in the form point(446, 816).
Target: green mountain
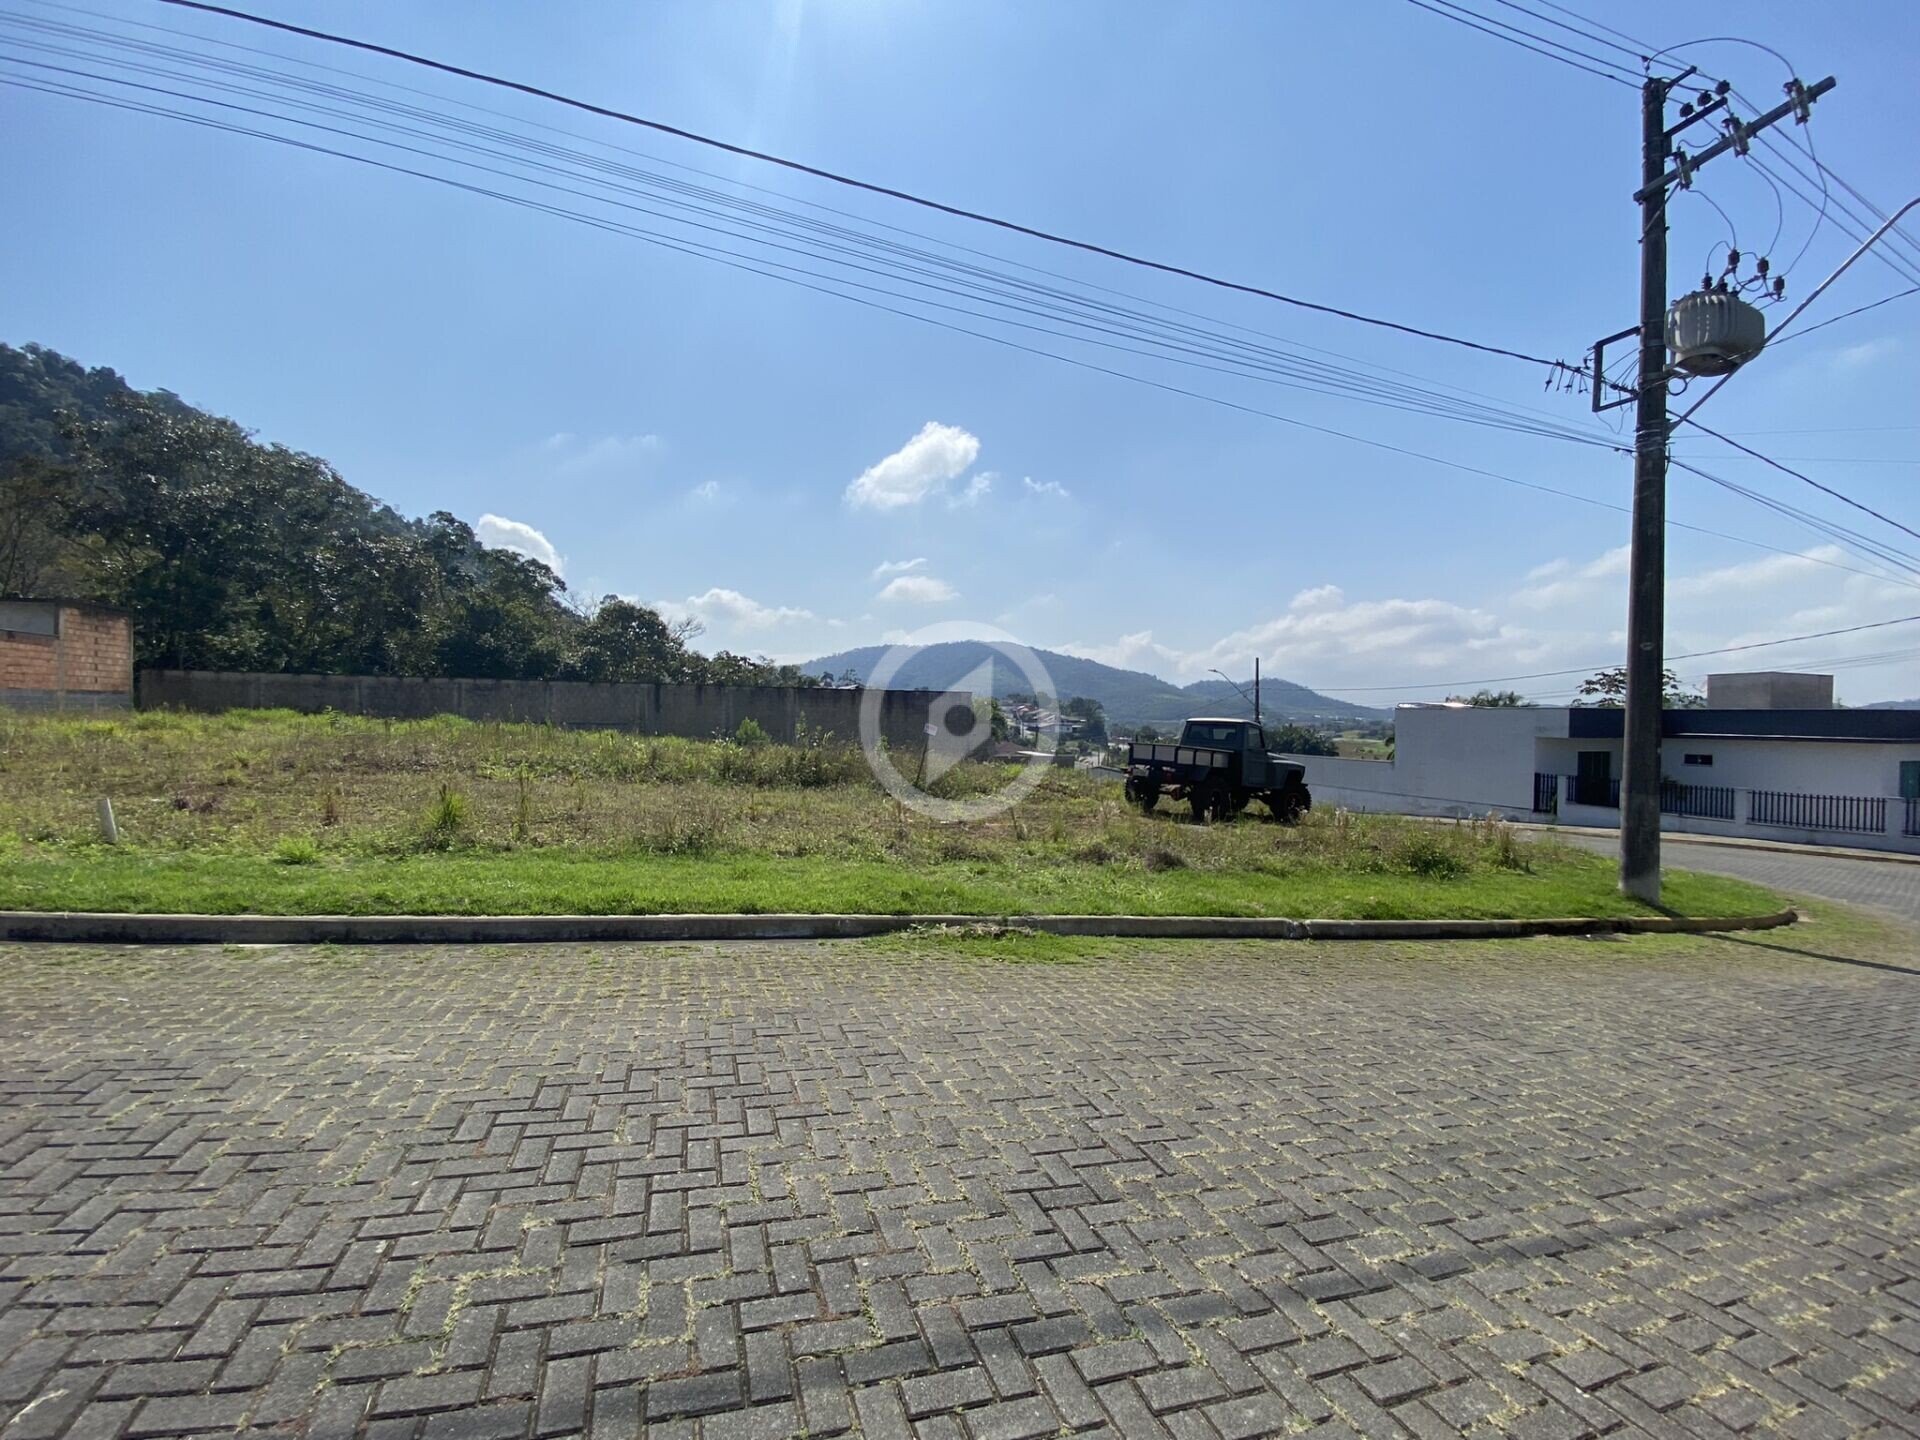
point(1130, 697)
point(232, 554)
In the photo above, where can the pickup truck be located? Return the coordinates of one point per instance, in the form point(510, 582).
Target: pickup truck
point(1217, 766)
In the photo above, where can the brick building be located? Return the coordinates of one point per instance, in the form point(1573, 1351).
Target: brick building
point(65, 655)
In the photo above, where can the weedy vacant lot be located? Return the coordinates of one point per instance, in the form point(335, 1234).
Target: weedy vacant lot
point(271, 811)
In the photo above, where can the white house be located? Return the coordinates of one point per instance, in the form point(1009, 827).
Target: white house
point(1810, 774)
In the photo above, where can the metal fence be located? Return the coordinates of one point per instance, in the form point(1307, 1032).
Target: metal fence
point(1705, 802)
point(1911, 825)
point(1863, 813)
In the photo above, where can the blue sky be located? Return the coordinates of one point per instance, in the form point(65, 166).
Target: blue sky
point(806, 474)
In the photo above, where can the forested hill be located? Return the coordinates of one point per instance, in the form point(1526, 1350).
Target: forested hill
point(1129, 697)
point(235, 555)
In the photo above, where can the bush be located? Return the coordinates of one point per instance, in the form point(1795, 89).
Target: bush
point(296, 850)
point(750, 735)
point(1427, 854)
point(445, 822)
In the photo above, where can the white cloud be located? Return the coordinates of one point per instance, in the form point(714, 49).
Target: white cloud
point(1564, 582)
point(896, 567)
point(1763, 575)
point(1138, 651)
point(919, 590)
point(706, 490)
point(607, 454)
point(723, 606)
point(1052, 489)
point(1328, 641)
point(925, 465)
point(978, 488)
point(1867, 352)
point(1324, 639)
point(519, 537)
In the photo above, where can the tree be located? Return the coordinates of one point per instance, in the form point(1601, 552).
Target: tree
point(1092, 718)
point(624, 641)
point(1490, 699)
point(1301, 740)
point(1607, 690)
point(36, 498)
point(1147, 733)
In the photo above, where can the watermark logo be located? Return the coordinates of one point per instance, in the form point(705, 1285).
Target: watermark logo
point(953, 724)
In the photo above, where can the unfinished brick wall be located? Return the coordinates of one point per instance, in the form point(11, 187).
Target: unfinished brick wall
point(96, 648)
point(86, 663)
point(27, 662)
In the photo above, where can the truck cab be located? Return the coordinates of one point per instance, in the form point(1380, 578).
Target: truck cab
point(1224, 734)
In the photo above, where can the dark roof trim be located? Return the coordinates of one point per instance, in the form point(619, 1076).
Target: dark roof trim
point(71, 602)
point(1895, 726)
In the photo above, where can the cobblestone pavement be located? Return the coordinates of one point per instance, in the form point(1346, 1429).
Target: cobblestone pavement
point(1550, 1188)
point(1886, 885)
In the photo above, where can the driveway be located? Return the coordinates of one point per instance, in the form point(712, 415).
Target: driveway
point(1891, 886)
point(1548, 1188)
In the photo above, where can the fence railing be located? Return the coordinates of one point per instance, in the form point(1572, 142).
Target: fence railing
point(1911, 825)
point(1858, 814)
point(1546, 794)
point(1705, 802)
point(1862, 813)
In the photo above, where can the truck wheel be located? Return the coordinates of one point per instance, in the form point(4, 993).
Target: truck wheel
point(1143, 793)
point(1288, 803)
point(1211, 802)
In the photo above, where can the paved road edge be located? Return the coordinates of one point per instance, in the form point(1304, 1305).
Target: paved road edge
point(108, 928)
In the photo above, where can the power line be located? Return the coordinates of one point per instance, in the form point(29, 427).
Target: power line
point(729, 180)
point(1828, 209)
point(1808, 479)
point(1462, 11)
point(1842, 535)
point(1640, 48)
point(1554, 425)
point(1483, 22)
point(1417, 399)
point(1844, 315)
point(1829, 459)
point(1587, 669)
point(840, 179)
point(1041, 301)
point(754, 265)
point(1636, 51)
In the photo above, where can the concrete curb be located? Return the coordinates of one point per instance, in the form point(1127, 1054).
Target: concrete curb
point(1726, 842)
point(98, 927)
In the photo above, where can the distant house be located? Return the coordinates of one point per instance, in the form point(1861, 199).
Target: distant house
point(65, 655)
point(1744, 765)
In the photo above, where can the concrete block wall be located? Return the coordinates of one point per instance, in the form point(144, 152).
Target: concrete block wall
point(696, 711)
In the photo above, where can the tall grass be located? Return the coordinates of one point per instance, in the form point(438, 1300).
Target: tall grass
point(242, 782)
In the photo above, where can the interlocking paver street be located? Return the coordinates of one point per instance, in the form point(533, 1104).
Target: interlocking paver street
point(1542, 1188)
point(1891, 886)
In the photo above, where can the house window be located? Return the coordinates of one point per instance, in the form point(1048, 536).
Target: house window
point(1910, 779)
point(1699, 760)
